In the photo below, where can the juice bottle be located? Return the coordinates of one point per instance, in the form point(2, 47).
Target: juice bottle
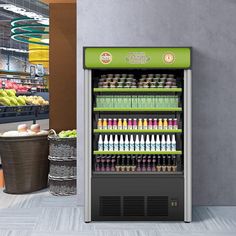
point(175, 124)
point(105, 147)
point(158, 143)
point(160, 124)
point(153, 143)
point(145, 124)
point(121, 144)
point(168, 143)
point(142, 144)
point(130, 125)
point(163, 143)
point(115, 124)
point(150, 124)
point(111, 144)
point(154, 125)
point(135, 126)
point(170, 124)
point(140, 124)
point(119, 124)
point(99, 125)
point(116, 143)
point(131, 143)
point(109, 125)
point(165, 124)
point(173, 143)
point(125, 125)
point(137, 144)
point(148, 144)
point(104, 124)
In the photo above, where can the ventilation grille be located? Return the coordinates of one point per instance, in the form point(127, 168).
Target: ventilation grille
point(133, 206)
point(110, 206)
point(157, 206)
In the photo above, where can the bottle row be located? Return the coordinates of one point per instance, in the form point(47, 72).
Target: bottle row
point(142, 124)
point(151, 143)
point(160, 163)
point(136, 101)
point(128, 81)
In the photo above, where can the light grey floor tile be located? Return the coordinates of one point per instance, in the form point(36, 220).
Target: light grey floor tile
point(15, 233)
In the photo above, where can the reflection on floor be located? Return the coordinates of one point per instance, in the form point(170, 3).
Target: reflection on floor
point(41, 214)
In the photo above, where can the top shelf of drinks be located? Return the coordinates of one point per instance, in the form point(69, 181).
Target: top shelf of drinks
point(137, 81)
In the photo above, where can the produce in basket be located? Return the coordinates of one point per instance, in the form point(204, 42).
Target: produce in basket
point(23, 130)
point(68, 134)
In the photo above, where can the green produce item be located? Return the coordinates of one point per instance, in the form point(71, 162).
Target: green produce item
point(5, 101)
point(11, 92)
point(68, 134)
point(13, 101)
point(3, 93)
point(21, 101)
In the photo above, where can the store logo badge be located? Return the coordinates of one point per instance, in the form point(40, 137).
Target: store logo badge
point(169, 58)
point(106, 58)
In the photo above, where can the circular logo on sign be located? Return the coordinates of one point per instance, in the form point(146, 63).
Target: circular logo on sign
point(105, 58)
point(169, 58)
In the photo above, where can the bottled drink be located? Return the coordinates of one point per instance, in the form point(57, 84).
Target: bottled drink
point(150, 124)
point(99, 125)
point(131, 143)
point(159, 163)
point(126, 143)
point(145, 124)
point(175, 124)
point(121, 144)
point(137, 145)
point(168, 143)
point(165, 124)
point(148, 144)
point(169, 163)
point(125, 125)
point(119, 126)
point(149, 160)
point(115, 126)
point(135, 126)
point(173, 143)
point(104, 124)
point(153, 144)
point(116, 143)
point(160, 124)
point(154, 126)
point(110, 144)
point(140, 124)
point(142, 144)
point(163, 143)
point(108, 161)
point(105, 144)
point(164, 163)
point(130, 126)
point(109, 125)
point(170, 124)
point(100, 143)
point(174, 163)
point(158, 143)
point(154, 163)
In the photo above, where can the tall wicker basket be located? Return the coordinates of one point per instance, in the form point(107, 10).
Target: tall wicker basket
point(25, 163)
point(62, 157)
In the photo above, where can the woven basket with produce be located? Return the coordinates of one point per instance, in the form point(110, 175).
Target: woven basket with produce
point(62, 157)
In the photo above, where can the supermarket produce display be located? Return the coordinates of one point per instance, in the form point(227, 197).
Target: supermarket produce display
point(15, 107)
point(137, 134)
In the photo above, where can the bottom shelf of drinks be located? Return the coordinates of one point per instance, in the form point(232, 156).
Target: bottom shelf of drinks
point(140, 153)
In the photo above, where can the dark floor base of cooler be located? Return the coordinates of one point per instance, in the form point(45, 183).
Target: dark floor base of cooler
point(137, 198)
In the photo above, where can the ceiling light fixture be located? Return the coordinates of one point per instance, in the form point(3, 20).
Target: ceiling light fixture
point(23, 12)
point(14, 50)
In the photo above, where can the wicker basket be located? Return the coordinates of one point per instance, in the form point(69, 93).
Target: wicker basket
point(62, 187)
point(62, 157)
point(25, 163)
point(62, 168)
point(61, 147)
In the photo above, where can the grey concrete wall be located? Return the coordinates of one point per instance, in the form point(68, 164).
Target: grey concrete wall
point(209, 27)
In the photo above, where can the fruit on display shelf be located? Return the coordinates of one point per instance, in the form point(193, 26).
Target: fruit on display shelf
point(68, 134)
point(17, 87)
point(8, 98)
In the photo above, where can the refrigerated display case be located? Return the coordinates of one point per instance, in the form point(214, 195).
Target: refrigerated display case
point(138, 134)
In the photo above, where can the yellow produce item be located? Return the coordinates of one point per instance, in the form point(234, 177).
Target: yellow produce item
point(5, 101)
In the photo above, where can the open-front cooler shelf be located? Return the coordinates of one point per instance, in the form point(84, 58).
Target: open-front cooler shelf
point(118, 131)
point(137, 90)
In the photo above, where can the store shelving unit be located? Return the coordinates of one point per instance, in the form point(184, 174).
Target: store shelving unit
point(137, 191)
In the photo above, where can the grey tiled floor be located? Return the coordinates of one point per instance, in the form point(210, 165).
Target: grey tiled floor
point(41, 214)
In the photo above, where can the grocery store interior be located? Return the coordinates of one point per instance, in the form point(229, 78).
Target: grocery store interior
point(116, 119)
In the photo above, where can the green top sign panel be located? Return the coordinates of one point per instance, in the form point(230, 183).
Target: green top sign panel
point(137, 58)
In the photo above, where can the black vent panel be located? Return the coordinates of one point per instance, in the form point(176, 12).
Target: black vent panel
point(157, 206)
point(133, 206)
point(110, 206)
